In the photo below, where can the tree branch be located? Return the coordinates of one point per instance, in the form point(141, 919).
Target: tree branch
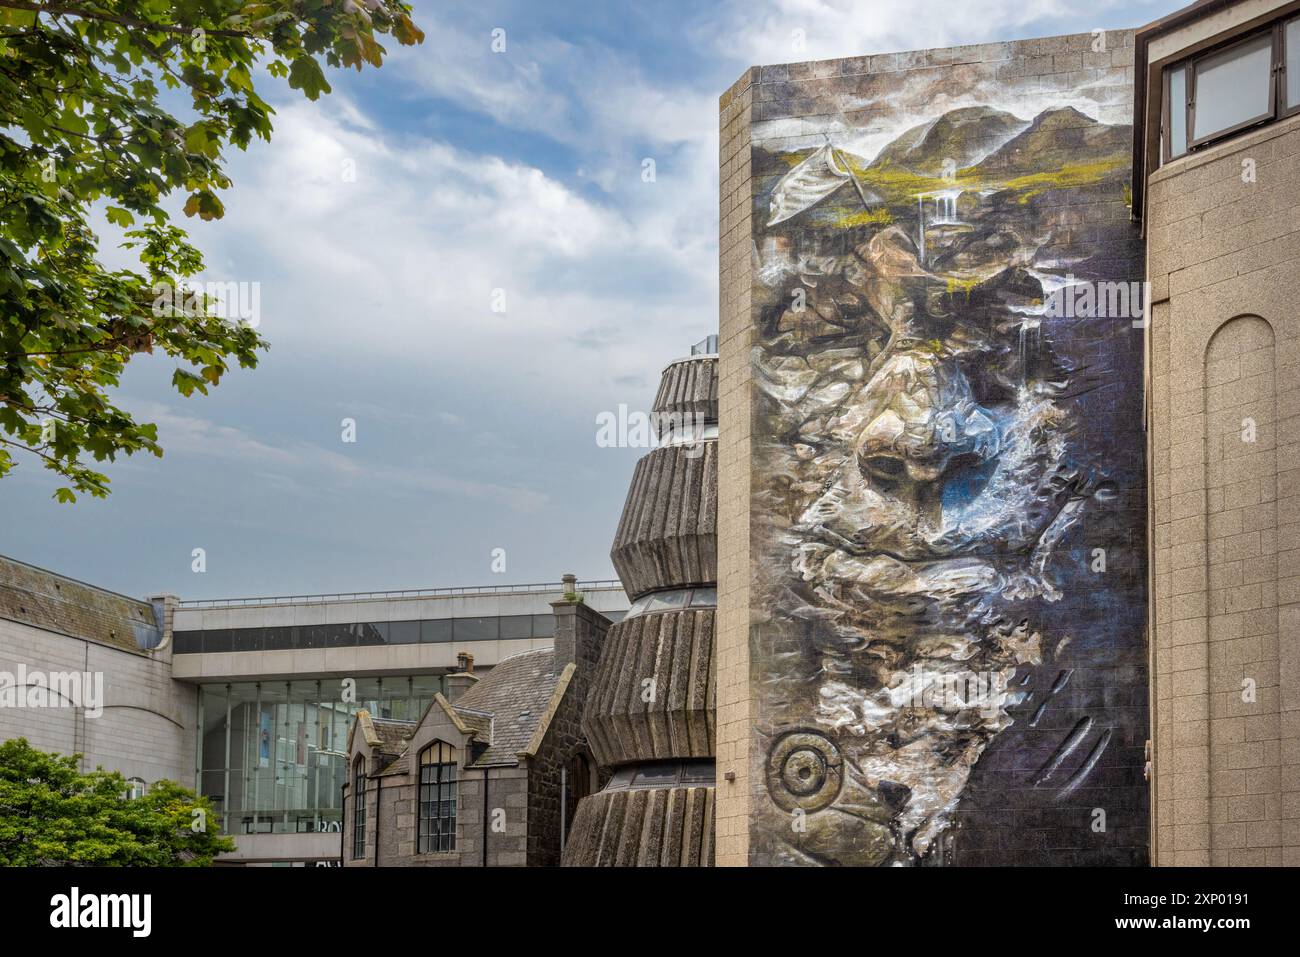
point(53, 10)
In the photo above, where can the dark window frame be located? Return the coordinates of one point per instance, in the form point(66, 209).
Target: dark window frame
point(1277, 109)
point(1279, 68)
point(437, 790)
point(359, 809)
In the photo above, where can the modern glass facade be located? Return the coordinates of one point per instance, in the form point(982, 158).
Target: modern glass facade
point(359, 634)
point(272, 754)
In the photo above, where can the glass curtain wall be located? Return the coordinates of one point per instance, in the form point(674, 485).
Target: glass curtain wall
point(272, 754)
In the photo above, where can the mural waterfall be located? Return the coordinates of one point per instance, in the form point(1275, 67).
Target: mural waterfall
point(948, 499)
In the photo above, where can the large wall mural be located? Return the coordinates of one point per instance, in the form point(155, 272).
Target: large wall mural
point(948, 498)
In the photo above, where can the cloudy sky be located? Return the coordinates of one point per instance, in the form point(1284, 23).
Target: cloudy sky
point(384, 222)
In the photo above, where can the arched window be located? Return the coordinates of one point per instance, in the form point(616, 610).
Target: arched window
point(136, 788)
point(437, 820)
point(359, 809)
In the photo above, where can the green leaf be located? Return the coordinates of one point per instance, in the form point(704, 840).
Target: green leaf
point(86, 127)
point(305, 74)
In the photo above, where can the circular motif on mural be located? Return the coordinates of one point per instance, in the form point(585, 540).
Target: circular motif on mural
point(804, 770)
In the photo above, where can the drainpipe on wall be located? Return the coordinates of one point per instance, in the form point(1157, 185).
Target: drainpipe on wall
point(564, 802)
point(343, 822)
point(379, 805)
point(485, 816)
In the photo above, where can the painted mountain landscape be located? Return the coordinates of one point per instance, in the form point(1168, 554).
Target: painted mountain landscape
point(947, 643)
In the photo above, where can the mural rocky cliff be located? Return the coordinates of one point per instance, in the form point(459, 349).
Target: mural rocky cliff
point(948, 633)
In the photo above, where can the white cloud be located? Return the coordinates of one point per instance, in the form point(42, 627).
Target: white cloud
point(401, 260)
point(764, 31)
point(297, 467)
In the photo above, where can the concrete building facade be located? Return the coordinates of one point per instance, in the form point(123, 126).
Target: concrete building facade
point(650, 715)
point(252, 701)
point(127, 713)
point(1209, 774)
point(1223, 261)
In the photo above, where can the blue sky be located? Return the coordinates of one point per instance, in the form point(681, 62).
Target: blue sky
point(475, 171)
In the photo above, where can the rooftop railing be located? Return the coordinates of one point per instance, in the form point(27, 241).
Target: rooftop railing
point(470, 590)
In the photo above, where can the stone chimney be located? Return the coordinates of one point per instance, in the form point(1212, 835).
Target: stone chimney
point(579, 631)
point(461, 681)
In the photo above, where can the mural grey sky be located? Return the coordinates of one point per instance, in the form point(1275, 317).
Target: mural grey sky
point(474, 171)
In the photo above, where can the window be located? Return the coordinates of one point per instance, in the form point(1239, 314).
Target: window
point(136, 789)
point(1177, 112)
point(404, 633)
point(436, 828)
point(517, 626)
point(1291, 48)
point(359, 809)
point(1248, 81)
point(435, 630)
point(476, 629)
point(1232, 89)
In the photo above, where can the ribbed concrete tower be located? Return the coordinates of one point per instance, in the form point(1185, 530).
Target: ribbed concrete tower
point(650, 713)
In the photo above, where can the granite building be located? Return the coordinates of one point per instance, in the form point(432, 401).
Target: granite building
point(252, 701)
point(491, 772)
point(979, 307)
point(1217, 141)
point(649, 716)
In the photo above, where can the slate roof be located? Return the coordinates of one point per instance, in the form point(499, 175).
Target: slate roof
point(46, 600)
point(394, 736)
point(515, 693)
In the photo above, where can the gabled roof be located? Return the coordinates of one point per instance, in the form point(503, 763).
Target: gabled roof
point(507, 711)
point(517, 694)
point(389, 736)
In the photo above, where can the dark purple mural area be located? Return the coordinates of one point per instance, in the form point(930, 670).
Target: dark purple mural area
point(948, 649)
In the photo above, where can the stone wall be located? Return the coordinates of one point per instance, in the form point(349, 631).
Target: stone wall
point(928, 476)
point(735, 721)
point(579, 633)
point(1223, 235)
point(147, 726)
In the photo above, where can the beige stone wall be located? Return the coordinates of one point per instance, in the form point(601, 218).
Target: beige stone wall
point(734, 720)
point(146, 728)
point(1224, 445)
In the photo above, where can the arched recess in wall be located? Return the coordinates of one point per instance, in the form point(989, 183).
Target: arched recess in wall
point(1240, 568)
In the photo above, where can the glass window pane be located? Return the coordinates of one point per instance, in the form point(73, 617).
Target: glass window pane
point(1177, 111)
point(517, 626)
point(704, 596)
point(543, 626)
point(216, 640)
point(1233, 86)
point(475, 629)
point(278, 638)
point(424, 687)
point(312, 636)
point(650, 775)
point(1292, 40)
point(667, 601)
point(341, 636)
point(246, 639)
point(187, 642)
point(404, 632)
point(435, 629)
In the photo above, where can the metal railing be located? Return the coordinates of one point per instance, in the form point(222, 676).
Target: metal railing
point(468, 590)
